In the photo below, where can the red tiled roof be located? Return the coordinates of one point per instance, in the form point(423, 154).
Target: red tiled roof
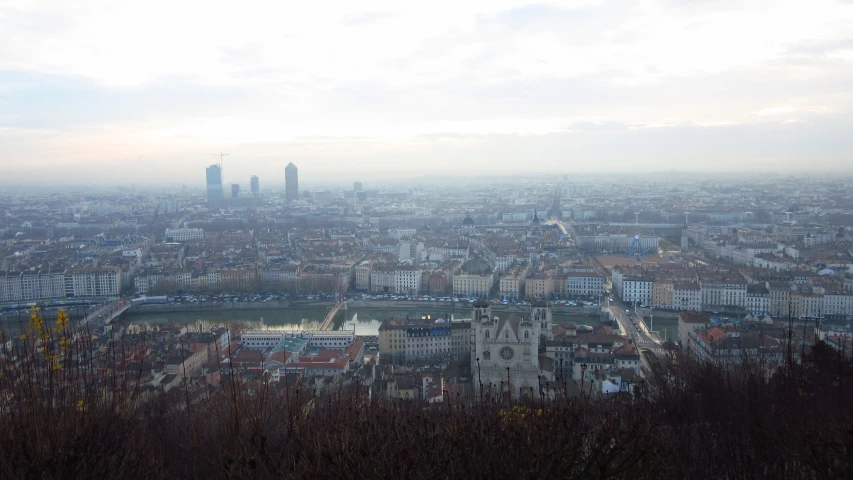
point(249, 355)
point(281, 357)
point(330, 352)
point(354, 348)
point(330, 363)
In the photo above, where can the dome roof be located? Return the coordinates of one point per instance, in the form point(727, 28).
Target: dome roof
point(467, 220)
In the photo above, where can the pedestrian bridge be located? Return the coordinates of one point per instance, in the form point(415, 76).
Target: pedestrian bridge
point(330, 318)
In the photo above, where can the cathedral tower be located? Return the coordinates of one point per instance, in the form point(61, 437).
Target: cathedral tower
point(508, 351)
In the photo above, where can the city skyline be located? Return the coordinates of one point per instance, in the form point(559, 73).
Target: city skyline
point(504, 238)
point(380, 90)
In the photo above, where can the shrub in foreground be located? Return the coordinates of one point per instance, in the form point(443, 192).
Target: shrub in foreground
point(65, 415)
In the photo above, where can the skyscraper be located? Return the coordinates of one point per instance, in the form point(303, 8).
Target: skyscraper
point(214, 183)
point(291, 182)
point(357, 186)
point(235, 190)
point(256, 185)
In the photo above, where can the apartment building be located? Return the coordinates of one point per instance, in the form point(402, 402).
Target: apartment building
point(383, 280)
point(757, 300)
point(663, 294)
point(282, 277)
point(689, 322)
point(837, 302)
point(240, 280)
point(19, 286)
point(633, 284)
point(93, 282)
point(583, 284)
point(780, 298)
point(731, 347)
point(472, 284)
point(614, 242)
point(184, 234)
point(402, 340)
point(362, 276)
point(806, 304)
point(407, 280)
point(723, 292)
point(539, 286)
point(687, 296)
point(513, 281)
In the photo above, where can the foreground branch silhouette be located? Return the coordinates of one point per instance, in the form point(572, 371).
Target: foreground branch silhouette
point(65, 414)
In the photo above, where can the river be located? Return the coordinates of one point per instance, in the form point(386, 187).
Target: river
point(667, 327)
point(368, 319)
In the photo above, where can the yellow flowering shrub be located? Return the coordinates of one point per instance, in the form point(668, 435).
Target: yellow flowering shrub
point(518, 413)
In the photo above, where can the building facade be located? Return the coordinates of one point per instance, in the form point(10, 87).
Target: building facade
point(214, 183)
point(184, 234)
point(19, 286)
point(687, 296)
point(291, 182)
point(407, 340)
point(407, 280)
point(93, 282)
point(255, 185)
point(581, 284)
point(506, 354)
point(470, 284)
point(263, 339)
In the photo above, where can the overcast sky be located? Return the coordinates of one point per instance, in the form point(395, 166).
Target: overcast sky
point(143, 92)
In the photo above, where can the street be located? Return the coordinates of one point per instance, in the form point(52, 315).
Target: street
point(626, 323)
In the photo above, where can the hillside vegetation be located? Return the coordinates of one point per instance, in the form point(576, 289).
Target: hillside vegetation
point(63, 418)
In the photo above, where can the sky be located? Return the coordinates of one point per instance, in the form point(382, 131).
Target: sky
point(147, 92)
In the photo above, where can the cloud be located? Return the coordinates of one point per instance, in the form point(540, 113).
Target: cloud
point(445, 82)
point(822, 145)
point(775, 111)
point(61, 102)
point(364, 18)
point(597, 126)
point(820, 47)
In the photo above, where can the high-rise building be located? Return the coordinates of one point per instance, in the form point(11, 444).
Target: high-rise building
point(235, 190)
point(357, 186)
point(255, 185)
point(214, 183)
point(291, 182)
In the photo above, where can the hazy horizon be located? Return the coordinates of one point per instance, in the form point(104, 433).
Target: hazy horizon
point(102, 93)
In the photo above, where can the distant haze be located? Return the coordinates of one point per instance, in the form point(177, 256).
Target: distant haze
point(144, 92)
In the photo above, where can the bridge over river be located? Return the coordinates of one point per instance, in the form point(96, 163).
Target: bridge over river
point(330, 318)
point(105, 314)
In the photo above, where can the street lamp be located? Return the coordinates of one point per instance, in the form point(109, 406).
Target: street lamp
point(652, 322)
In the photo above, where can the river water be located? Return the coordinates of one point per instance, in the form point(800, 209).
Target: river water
point(367, 320)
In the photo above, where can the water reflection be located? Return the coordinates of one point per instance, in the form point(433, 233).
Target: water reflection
point(284, 319)
point(366, 320)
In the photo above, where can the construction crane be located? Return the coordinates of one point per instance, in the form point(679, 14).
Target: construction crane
point(220, 155)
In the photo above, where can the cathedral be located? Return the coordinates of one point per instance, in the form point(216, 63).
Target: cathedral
point(507, 347)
